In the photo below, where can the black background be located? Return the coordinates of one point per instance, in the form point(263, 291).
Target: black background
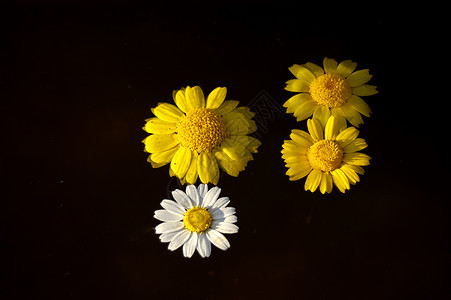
point(76, 83)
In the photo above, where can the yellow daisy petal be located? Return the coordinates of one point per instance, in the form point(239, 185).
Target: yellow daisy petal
point(191, 173)
point(207, 167)
point(181, 161)
point(365, 90)
point(297, 100)
point(347, 136)
point(346, 67)
point(298, 171)
point(326, 183)
point(356, 158)
point(352, 115)
point(167, 112)
point(216, 97)
point(297, 85)
point(305, 110)
point(359, 105)
point(314, 68)
point(154, 164)
point(313, 180)
point(357, 145)
point(340, 180)
point(322, 114)
point(331, 129)
point(350, 174)
point(339, 118)
point(180, 101)
point(302, 73)
point(233, 149)
point(330, 65)
point(155, 125)
point(160, 142)
point(301, 137)
point(315, 129)
point(250, 143)
point(290, 146)
point(226, 107)
point(359, 78)
point(194, 97)
point(238, 123)
point(164, 157)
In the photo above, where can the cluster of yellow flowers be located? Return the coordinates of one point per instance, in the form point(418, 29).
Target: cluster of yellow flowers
point(328, 153)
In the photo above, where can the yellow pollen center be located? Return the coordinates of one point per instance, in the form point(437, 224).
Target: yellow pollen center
point(325, 155)
point(330, 90)
point(197, 219)
point(201, 130)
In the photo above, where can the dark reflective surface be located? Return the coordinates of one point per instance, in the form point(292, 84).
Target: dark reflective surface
point(77, 221)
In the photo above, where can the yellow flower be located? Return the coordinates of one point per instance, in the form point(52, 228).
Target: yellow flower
point(334, 90)
point(326, 154)
point(197, 136)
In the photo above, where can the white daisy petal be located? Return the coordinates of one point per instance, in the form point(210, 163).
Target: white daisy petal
point(167, 237)
point(227, 228)
point(204, 245)
point(172, 206)
point(211, 197)
point(203, 189)
point(223, 212)
point(182, 199)
point(179, 239)
point(166, 216)
point(192, 192)
point(217, 239)
point(190, 246)
point(168, 227)
point(228, 219)
point(231, 219)
point(221, 202)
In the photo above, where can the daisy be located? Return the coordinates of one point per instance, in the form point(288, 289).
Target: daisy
point(197, 136)
point(326, 154)
point(334, 90)
point(196, 219)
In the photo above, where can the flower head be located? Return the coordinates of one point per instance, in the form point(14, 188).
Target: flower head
point(197, 136)
point(327, 154)
point(196, 219)
point(334, 90)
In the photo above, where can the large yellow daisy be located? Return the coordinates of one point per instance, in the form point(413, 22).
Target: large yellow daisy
point(197, 136)
point(326, 154)
point(334, 90)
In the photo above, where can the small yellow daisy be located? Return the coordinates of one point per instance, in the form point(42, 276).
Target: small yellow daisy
point(326, 154)
point(197, 135)
point(334, 90)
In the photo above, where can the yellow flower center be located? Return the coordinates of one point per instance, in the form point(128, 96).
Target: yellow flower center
point(330, 90)
point(201, 130)
point(325, 155)
point(197, 219)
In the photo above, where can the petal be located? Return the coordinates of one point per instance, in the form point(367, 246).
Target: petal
point(298, 171)
point(294, 102)
point(172, 206)
point(181, 161)
point(202, 189)
point(180, 101)
point(211, 197)
point(365, 90)
point(190, 246)
point(155, 125)
point(226, 106)
point(191, 173)
point(330, 65)
point(359, 105)
point(203, 245)
point(339, 118)
point(164, 157)
point(340, 180)
point(315, 129)
point(297, 85)
point(347, 136)
point(160, 142)
point(192, 192)
point(167, 112)
point(227, 228)
point(169, 236)
point(302, 73)
point(350, 173)
point(207, 167)
point(331, 131)
point(216, 97)
point(313, 180)
point(346, 67)
point(194, 97)
point(228, 164)
point(314, 68)
point(301, 137)
point(179, 240)
point(168, 227)
point(351, 115)
point(221, 202)
point(222, 213)
point(322, 114)
point(166, 216)
point(326, 183)
point(238, 123)
point(359, 78)
point(305, 110)
point(356, 158)
point(182, 199)
point(218, 239)
point(357, 145)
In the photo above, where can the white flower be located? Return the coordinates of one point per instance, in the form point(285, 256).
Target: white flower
point(196, 219)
